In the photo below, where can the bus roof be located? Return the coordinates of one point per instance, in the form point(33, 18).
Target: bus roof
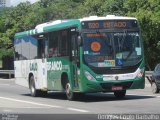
point(108, 17)
point(25, 33)
point(49, 26)
point(62, 24)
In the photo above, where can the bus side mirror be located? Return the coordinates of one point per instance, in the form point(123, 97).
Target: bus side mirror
point(79, 38)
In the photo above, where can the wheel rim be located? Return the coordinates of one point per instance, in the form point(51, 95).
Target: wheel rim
point(32, 89)
point(68, 92)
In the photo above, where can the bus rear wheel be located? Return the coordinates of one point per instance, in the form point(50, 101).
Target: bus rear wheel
point(69, 93)
point(32, 87)
point(120, 94)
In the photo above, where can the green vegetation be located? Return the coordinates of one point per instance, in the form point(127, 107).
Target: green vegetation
point(26, 16)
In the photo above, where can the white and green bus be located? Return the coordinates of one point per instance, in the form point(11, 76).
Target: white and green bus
point(88, 55)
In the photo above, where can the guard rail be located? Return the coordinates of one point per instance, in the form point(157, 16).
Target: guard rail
point(9, 72)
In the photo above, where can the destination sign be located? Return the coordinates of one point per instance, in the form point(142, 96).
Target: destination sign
point(109, 24)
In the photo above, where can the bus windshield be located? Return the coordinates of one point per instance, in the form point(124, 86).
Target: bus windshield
point(106, 49)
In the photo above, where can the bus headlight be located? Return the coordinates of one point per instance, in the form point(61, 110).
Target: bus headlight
point(140, 73)
point(88, 75)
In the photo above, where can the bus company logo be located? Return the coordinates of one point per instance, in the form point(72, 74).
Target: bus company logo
point(33, 66)
point(54, 65)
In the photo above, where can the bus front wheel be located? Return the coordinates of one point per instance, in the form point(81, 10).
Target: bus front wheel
point(120, 94)
point(69, 93)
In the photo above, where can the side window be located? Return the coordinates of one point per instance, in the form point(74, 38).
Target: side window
point(59, 43)
point(41, 48)
point(53, 44)
point(46, 47)
point(22, 47)
point(75, 48)
point(74, 45)
point(25, 48)
point(64, 49)
point(30, 47)
point(17, 49)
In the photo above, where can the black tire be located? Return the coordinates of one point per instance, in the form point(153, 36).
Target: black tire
point(154, 88)
point(120, 94)
point(43, 93)
point(33, 90)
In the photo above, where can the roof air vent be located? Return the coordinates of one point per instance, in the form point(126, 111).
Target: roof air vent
point(110, 16)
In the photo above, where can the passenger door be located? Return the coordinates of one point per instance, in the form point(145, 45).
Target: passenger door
point(41, 61)
point(75, 58)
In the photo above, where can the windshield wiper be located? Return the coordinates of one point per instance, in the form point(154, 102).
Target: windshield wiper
point(123, 39)
point(129, 54)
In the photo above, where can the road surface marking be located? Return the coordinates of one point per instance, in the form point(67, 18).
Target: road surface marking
point(143, 95)
point(7, 79)
point(29, 102)
point(79, 110)
point(137, 95)
point(24, 107)
point(40, 104)
point(7, 110)
point(4, 84)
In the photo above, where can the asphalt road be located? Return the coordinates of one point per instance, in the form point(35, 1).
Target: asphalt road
point(16, 100)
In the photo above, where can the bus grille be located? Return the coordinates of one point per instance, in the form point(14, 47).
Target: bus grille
point(108, 86)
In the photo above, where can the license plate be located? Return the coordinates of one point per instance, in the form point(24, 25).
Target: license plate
point(117, 88)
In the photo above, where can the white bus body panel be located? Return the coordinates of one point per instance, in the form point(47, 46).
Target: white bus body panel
point(22, 71)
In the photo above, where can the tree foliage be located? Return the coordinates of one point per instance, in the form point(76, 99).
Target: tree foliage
point(26, 16)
